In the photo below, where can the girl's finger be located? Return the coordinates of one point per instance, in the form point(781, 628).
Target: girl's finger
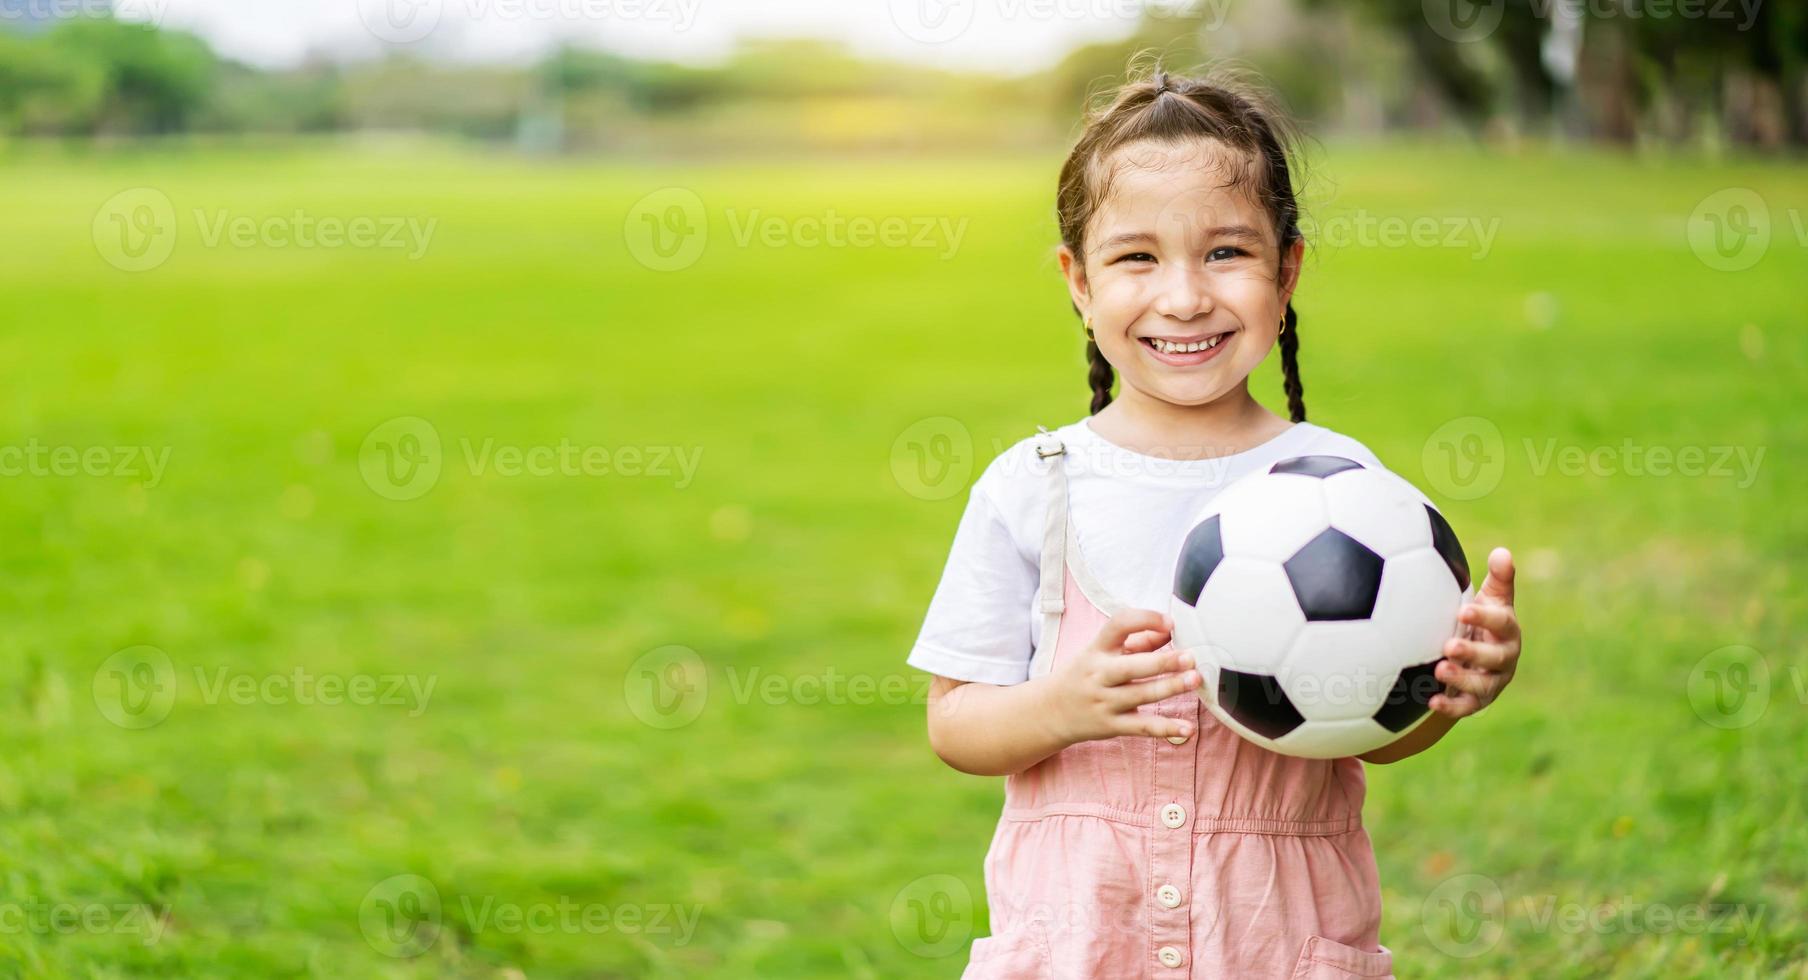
point(1127, 697)
point(1127, 622)
point(1498, 586)
point(1153, 725)
point(1146, 640)
point(1124, 668)
point(1484, 684)
point(1499, 620)
point(1455, 705)
point(1475, 653)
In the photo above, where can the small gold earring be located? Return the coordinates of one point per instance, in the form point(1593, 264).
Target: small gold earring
point(1087, 321)
point(1283, 327)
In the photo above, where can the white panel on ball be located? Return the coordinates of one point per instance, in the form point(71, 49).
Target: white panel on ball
point(1273, 517)
point(1378, 509)
point(1417, 604)
point(1337, 671)
point(1334, 739)
point(1247, 611)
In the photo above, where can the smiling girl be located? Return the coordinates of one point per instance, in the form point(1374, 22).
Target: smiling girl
point(1139, 837)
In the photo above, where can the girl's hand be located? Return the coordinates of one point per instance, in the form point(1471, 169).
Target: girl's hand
point(1480, 662)
point(1095, 695)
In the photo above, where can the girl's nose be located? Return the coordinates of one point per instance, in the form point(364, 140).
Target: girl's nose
point(1184, 294)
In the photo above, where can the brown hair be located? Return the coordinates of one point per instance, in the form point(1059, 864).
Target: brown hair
point(1172, 109)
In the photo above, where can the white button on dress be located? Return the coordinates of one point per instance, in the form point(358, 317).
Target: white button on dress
point(1173, 816)
point(1168, 896)
point(1169, 956)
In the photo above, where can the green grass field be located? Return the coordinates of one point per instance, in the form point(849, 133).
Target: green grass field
point(581, 799)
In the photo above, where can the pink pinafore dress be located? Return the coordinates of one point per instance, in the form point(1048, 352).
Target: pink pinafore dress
point(1144, 857)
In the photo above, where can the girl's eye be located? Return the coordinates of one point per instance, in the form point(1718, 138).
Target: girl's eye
point(1225, 252)
point(1134, 257)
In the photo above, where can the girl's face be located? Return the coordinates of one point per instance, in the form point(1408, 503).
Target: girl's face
point(1183, 276)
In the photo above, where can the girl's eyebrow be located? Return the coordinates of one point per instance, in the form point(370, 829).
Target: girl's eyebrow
point(1126, 238)
point(1241, 233)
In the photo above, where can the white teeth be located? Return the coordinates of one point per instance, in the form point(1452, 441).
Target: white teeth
point(1169, 347)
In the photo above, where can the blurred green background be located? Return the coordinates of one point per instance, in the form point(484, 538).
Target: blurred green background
point(450, 551)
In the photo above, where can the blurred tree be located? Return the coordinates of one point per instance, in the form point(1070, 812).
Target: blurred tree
point(42, 93)
point(310, 99)
point(1604, 69)
point(155, 81)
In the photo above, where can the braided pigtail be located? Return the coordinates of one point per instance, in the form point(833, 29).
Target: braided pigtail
point(1099, 375)
point(1290, 380)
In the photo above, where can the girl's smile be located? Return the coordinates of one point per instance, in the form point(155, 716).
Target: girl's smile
point(1188, 350)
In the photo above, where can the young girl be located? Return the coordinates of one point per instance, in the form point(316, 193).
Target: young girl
point(1139, 837)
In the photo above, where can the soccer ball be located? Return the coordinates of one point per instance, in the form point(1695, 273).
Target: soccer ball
point(1316, 598)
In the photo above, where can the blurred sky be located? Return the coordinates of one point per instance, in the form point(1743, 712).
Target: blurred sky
point(1004, 35)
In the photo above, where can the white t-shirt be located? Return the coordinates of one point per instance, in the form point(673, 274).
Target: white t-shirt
point(1130, 512)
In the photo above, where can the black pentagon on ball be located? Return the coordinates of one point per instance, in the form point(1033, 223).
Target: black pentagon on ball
point(1410, 697)
point(1334, 577)
point(1257, 701)
point(1199, 555)
point(1444, 539)
point(1319, 466)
